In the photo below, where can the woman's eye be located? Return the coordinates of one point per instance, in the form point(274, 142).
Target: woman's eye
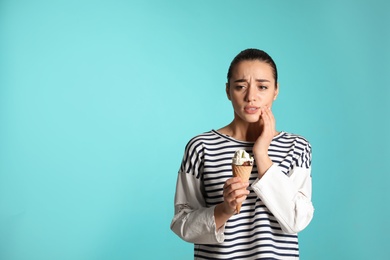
point(239, 87)
point(263, 87)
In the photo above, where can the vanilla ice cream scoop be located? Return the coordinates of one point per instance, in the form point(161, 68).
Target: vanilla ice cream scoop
point(242, 164)
point(241, 157)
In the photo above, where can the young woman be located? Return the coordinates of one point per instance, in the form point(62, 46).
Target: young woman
point(276, 203)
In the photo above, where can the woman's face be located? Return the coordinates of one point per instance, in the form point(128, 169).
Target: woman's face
point(251, 87)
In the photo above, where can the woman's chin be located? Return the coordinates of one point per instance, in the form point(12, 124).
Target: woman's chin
point(251, 119)
point(247, 118)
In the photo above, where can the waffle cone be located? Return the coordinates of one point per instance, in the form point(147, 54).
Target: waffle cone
point(244, 172)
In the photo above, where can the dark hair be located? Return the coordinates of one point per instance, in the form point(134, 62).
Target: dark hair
point(253, 54)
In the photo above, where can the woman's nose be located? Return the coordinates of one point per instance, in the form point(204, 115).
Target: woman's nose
point(250, 94)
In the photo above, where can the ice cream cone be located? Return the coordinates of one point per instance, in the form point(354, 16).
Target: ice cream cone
point(244, 172)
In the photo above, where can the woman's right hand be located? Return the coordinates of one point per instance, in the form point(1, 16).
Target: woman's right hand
point(234, 192)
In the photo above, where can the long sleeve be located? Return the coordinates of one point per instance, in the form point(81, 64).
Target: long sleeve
point(284, 190)
point(288, 197)
point(193, 221)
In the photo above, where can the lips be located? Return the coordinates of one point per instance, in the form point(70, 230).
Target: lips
point(251, 109)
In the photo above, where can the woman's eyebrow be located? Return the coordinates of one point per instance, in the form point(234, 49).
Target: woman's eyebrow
point(258, 80)
point(240, 80)
point(262, 80)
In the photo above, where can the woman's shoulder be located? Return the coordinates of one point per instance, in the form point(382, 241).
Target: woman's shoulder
point(301, 149)
point(202, 138)
point(205, 135)
point(288, 137)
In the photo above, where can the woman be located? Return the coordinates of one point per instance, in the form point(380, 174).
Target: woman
point(276, 203)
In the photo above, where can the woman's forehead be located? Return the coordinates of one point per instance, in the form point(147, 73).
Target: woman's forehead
point(252, 68)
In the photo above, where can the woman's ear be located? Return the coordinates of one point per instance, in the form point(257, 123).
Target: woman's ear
point(276, 91)
point(227, 91)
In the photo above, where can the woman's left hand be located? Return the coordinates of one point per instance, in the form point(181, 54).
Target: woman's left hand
point(260, 148)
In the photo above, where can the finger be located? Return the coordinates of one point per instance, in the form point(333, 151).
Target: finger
point(241, 199)
point(265, 116)
point(239, 185)
point(231, 181)
point(240, 193)
point(236, 196)
point(269, 118)
point(236, 189)
point(261, 115)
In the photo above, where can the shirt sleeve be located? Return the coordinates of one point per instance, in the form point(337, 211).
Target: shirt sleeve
point(288, 197)
point(193, 221)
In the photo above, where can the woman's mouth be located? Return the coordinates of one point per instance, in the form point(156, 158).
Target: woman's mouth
point(251, 109)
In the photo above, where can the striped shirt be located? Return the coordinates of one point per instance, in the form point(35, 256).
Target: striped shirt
point(274, 211)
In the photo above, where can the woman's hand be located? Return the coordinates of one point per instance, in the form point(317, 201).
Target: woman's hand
point(260, 148)
point(234, 192)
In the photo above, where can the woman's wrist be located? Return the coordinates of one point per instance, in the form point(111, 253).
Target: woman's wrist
point(221, 214)
point(263, 163)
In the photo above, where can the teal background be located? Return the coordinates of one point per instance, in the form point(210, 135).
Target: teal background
point(98, 99)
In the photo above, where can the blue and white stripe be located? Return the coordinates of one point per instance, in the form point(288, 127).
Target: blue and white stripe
point(254, 233)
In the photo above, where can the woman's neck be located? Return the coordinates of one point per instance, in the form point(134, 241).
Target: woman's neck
point(242, 131)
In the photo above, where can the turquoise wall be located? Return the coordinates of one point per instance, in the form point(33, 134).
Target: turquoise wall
point(98, 99)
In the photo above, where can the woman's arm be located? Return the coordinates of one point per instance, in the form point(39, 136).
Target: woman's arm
point(287, 197)
point(234, 193)
point(260, 148)
point(193, 221)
